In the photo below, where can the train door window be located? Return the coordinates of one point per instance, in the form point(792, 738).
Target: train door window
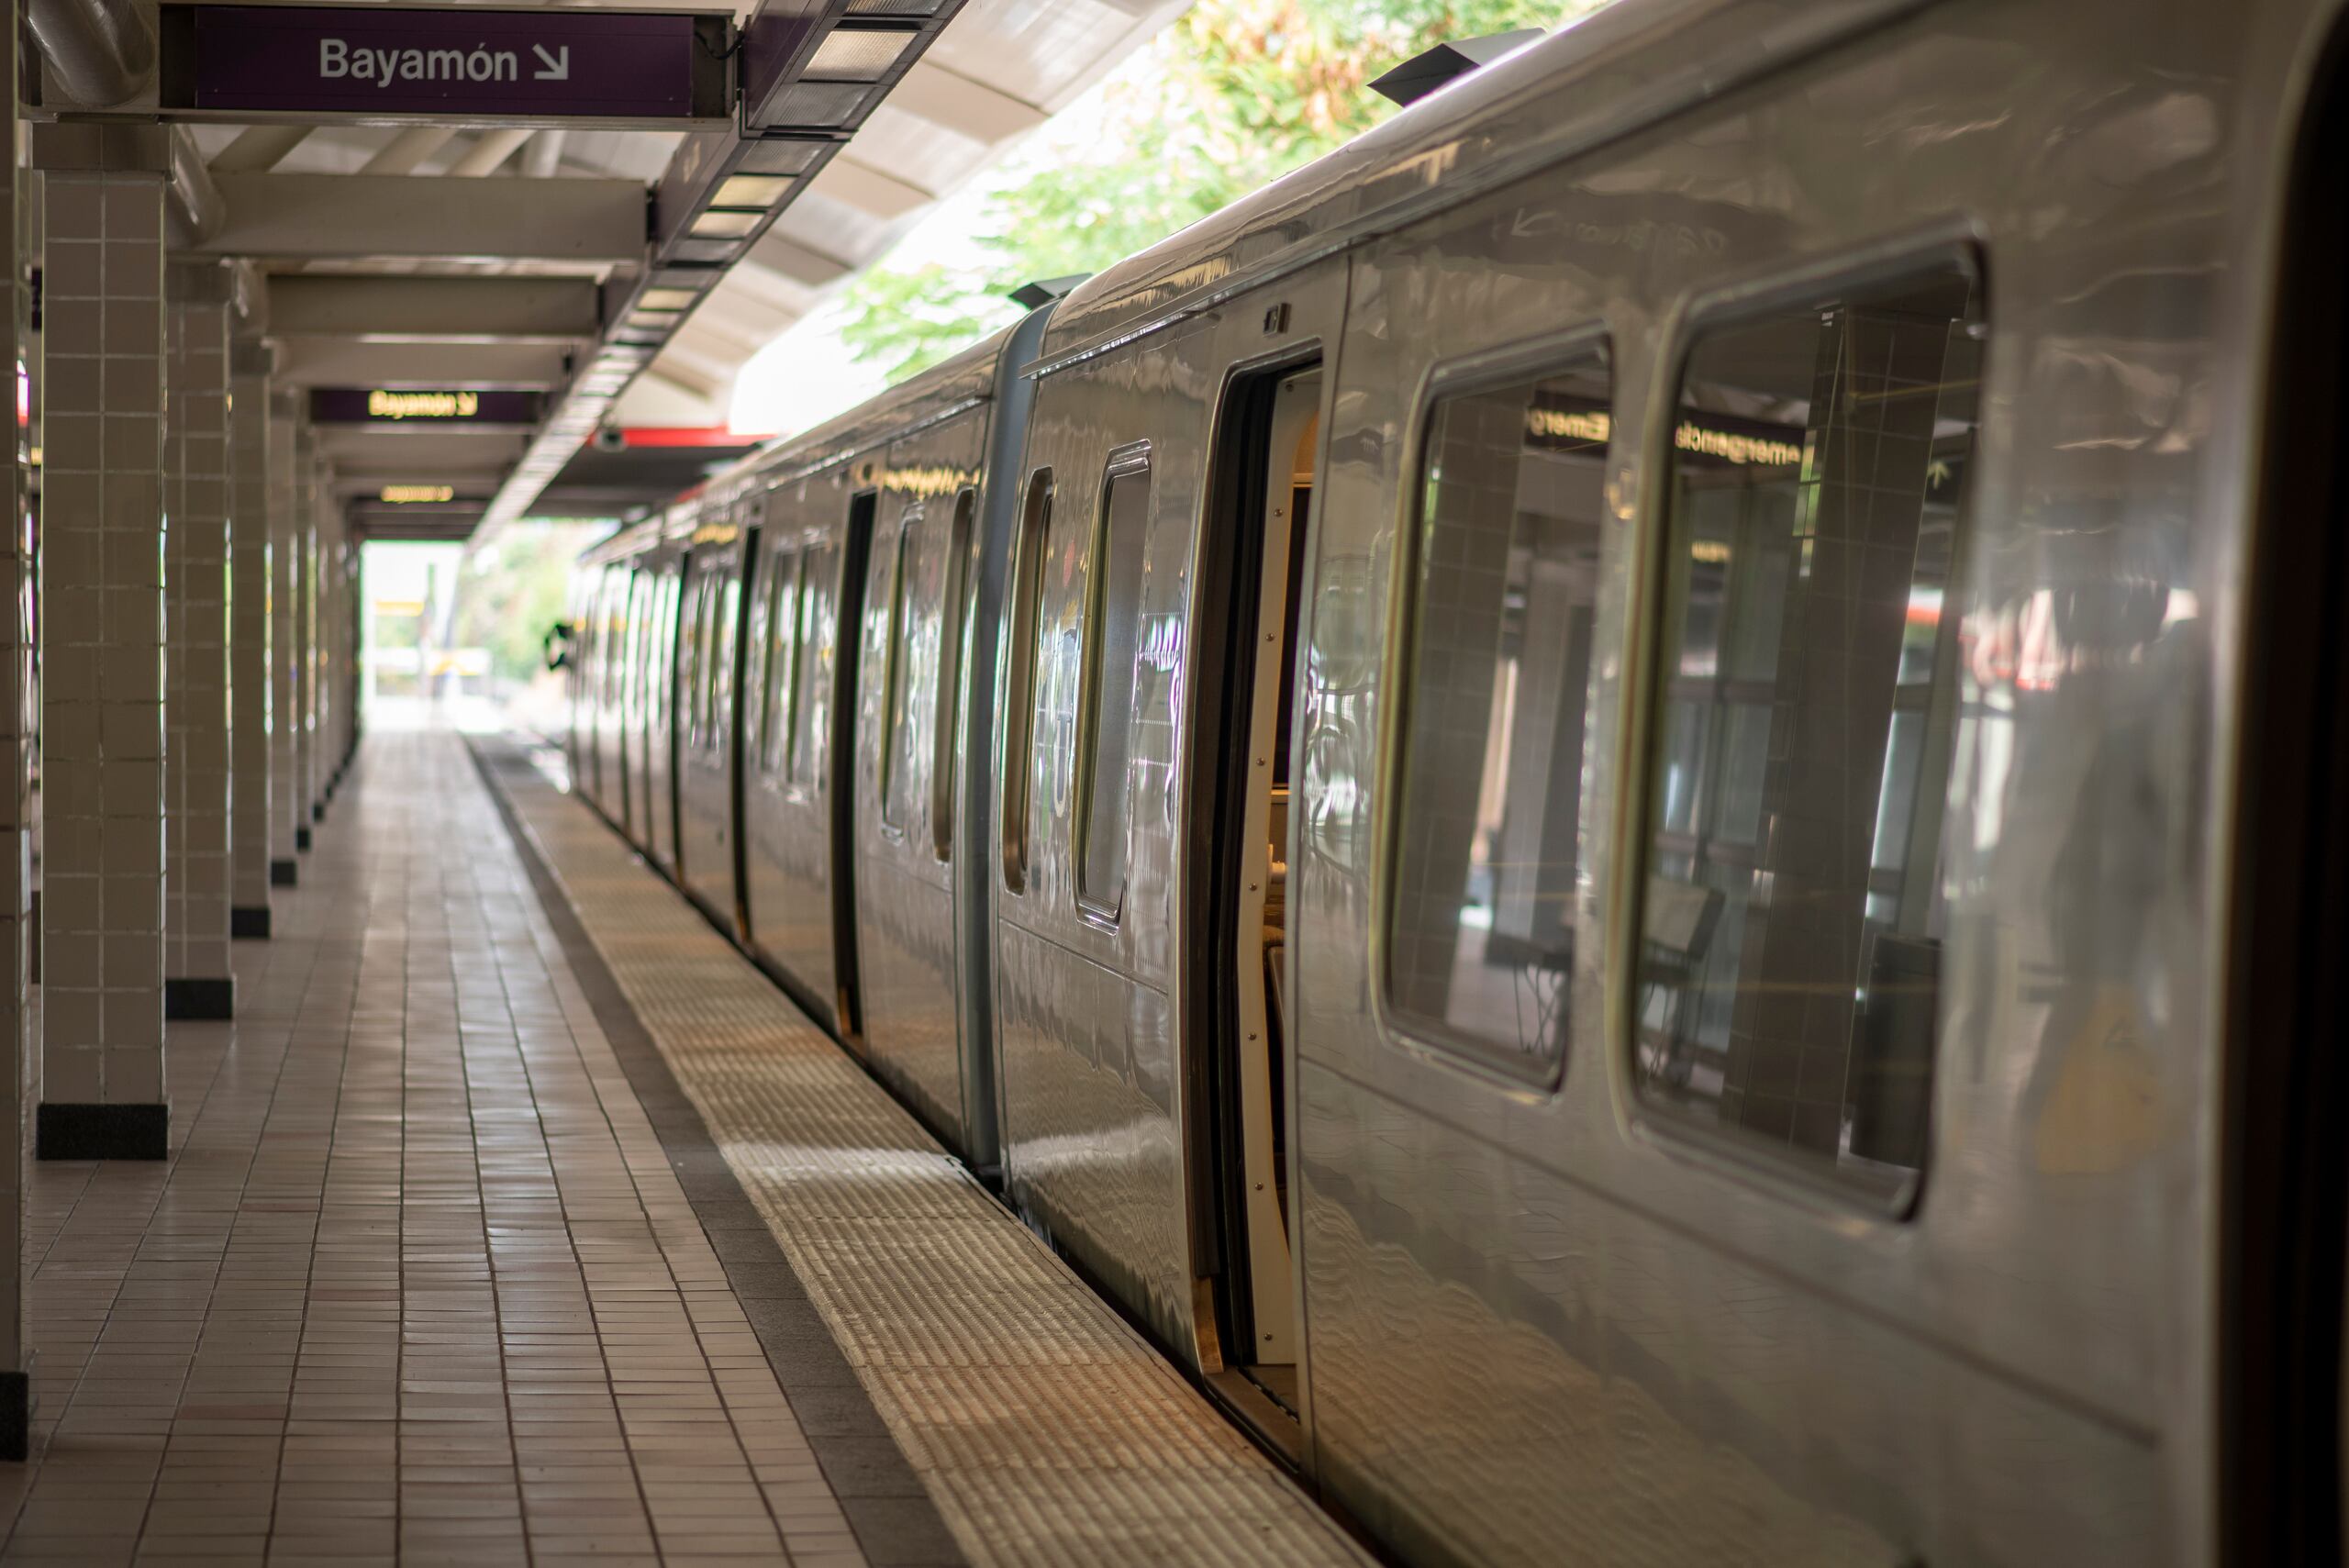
point(1808, 701)
point(953, 631)
point(898, 676)
point(818, 571)
point(1504, 593)
point(1019, 687)
point(779, 647)
point(1112, 639)
point(689, 660)
point(727, 585)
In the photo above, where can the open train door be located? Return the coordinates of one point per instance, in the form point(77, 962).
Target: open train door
point(2283, 1461)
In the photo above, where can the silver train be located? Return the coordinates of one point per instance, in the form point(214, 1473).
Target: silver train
point(1624, 801)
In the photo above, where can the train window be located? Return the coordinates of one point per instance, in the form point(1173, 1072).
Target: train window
point(778, 653)
point(690, 647)
point(813, 664)
point(897, 677)
point(1511, 496)
point(721, 697)
point(1112, 638)
point(953, 628)
point(1019, 689)
point(1808, 701)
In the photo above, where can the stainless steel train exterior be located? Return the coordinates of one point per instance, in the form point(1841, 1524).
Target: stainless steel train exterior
point(1564, 794)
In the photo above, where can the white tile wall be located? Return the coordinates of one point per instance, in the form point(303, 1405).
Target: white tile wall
point(249, 561)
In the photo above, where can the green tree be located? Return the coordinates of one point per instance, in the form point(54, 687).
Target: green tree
point(1234, 94)
point(514, 587)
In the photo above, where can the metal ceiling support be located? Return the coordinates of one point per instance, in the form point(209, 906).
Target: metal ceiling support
point(954, 102)
point(789, 259)
point(259, 148)
point(489, 150)
point(430, 309)
point(102, 52)
point(197, 209)
point(331, 361)
point(406, 152)
point(867, 189)
point(363, 215)
point(542, 159)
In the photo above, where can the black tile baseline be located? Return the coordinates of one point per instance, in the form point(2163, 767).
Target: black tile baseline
point(896, 1523)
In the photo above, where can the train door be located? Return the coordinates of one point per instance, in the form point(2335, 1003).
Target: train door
point(2284, 1388)
point(1264, 495)
point(840, 761)
point(660, 675)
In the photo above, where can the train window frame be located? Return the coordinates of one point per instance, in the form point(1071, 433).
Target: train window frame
point(1520, 361)
point(1023, 628)
point(1703, 315)
point(895, 688)
point(1130, 462)
point(953, 632)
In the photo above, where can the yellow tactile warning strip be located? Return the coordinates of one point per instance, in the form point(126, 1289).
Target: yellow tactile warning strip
point(1047, 1429)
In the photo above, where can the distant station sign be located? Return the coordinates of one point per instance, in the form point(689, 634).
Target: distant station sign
point(468, 62)
point(403, 406)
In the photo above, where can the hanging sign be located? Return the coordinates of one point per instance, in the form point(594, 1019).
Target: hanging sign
point(466, 62)
point(424, 408)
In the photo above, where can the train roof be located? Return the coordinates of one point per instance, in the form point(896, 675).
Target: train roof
point(1601, 77)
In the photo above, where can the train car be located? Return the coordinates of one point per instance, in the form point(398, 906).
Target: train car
point(1662, 860)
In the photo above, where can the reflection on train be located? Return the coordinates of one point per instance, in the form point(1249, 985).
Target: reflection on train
point(1546, 791)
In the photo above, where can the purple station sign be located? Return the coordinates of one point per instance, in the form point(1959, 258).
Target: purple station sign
point(369, 62)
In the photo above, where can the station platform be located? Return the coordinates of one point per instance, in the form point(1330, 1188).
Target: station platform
point(519, 1219)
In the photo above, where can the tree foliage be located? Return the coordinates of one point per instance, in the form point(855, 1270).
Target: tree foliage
point(1236, 93)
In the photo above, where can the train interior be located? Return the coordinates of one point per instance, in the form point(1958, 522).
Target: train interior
point(1271, 453)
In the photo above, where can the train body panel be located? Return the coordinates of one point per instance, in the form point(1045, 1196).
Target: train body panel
point(1585, 852)
point(708, 678)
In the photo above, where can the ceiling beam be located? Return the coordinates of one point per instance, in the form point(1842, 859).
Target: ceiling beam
point(867, 189)
point(310, 217)
point(259, 148)
point(788, 258)
point(954, 102)
point(432, 309)
point(338, 361)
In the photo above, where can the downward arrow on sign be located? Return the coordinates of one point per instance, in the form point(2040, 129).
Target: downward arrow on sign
point(555, 67)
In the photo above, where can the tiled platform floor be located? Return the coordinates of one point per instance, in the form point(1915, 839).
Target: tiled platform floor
point(1048, 1431)
point(420, 1282)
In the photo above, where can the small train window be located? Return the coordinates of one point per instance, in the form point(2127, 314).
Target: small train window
point(1808, 699)
point(898, 677)
point(1019, 690)
point(1112, 639)
point(954, 628)
point(1487, 863)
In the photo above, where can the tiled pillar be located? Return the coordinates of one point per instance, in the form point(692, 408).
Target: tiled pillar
point(285, 652)
point(306, 633)
point(102, 642)
point(16, 848)
point(248, 698)
point(197, 980)
point(327, 755)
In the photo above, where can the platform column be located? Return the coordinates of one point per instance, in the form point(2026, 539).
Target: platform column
point(16, 844)
point(285, 652)
point(102, 541)
point(306, 633)
point(197, 980)
point(248, 560)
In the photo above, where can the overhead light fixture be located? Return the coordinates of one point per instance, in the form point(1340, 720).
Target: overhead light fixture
point(759, 191)
point(417, 494)
point(725, 223)
point(859, 51)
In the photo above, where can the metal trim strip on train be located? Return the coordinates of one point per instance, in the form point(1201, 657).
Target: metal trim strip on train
point(1546, 792)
